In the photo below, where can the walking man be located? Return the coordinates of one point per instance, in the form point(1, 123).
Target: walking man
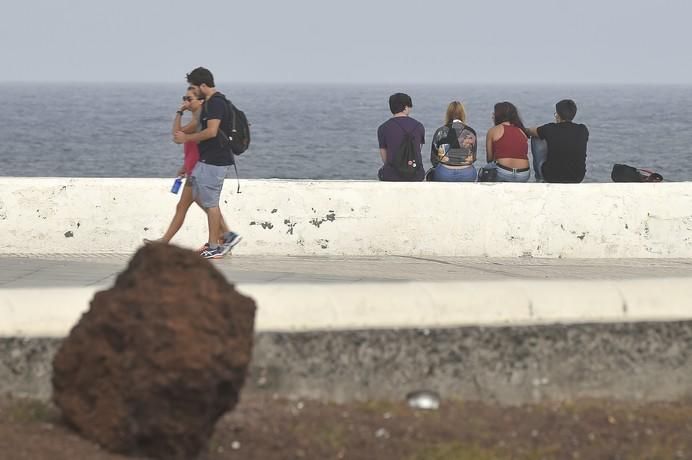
point(215, 157)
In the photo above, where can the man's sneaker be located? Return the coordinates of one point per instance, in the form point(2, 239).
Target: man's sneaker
point(230, 241)
point(204, 247)
point(215, 253)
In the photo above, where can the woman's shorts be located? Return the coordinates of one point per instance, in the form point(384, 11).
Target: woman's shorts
point(445, 174)
point(505, 174)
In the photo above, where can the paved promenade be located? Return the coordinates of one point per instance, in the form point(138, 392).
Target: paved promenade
point(488, 329)
point(44, 296)
point(101, 270)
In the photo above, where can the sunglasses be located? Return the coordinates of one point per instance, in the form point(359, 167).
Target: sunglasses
point(188, 98)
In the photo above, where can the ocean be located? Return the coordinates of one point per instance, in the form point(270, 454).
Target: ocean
point(320, 131)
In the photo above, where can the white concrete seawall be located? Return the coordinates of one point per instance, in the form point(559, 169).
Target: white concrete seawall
point(279, 217)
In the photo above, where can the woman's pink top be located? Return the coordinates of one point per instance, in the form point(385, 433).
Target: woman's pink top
point(191, 151)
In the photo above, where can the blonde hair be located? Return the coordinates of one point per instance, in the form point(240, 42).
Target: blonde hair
point(455, 111)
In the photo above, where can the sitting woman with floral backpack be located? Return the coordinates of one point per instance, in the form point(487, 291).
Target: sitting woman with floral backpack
point(454, 148)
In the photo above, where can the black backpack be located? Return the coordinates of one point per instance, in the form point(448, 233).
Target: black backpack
point(237, 129)
point(625, 173)
point(404, 160)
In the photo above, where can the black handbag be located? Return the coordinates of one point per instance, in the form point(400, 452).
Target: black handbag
point(487, 174)
point(625, 173)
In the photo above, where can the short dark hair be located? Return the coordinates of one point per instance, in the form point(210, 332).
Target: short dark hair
point(566, 109)
point(398, 102)
point(201, 76)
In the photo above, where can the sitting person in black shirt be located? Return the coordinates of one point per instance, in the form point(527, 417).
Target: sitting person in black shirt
point(559, 149)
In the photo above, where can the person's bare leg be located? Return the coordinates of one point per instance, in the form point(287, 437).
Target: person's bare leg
point(180, 212)
point(214, 223)
point(223, 228)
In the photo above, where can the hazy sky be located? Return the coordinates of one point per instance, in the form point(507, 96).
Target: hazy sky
point(529, 41)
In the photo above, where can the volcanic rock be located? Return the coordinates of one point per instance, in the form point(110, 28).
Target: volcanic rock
point(158, 358)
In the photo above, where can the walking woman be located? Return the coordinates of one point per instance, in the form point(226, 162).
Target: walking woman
point(507, 146)
point(192, 104)
point(453, 149)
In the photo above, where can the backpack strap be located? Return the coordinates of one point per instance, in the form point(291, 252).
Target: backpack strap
point(230, 108)
point(236, 177)
point(231, 113)
point(227, 137)
point(454, 137)
point(402, 128)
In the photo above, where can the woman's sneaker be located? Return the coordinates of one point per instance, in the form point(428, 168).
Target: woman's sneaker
point(230, 240)
point(215, 253)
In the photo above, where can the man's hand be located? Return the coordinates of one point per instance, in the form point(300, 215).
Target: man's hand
point(181, 171)
point(179, 137)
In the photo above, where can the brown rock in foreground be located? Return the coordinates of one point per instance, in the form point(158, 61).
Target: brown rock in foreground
point(158, 358)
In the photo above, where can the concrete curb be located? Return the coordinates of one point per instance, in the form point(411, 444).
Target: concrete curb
point(298, 307)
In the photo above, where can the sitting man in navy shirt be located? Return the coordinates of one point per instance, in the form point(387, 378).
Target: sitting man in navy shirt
point(393, 134)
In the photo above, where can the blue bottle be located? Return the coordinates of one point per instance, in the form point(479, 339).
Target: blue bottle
point(176, 184)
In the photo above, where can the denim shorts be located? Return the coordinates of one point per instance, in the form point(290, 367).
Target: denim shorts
point(504, 175)
point(445, 174)
point(539, 152)
point(207, 182)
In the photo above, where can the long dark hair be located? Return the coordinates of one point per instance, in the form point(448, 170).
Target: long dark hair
point(506, 111)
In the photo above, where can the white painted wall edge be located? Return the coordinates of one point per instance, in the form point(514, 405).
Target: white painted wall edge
point(281, 217)
point(294, 307)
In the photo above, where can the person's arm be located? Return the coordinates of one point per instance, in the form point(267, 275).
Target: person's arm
point(191, 127)
point(383, 155)
point(210, 132)
point(434, 159)
point(179, 117)
point(532, 132)
point(215, 108)
point(176, 121)
point(543, 131)
point(473, 140)
point(489, 154)
point(383, 144)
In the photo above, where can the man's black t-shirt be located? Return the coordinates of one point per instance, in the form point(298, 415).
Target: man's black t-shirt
point(215, 151)
point(566, 161)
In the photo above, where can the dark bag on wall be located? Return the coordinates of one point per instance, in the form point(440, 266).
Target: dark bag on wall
point(487, 174)
point(625, 173)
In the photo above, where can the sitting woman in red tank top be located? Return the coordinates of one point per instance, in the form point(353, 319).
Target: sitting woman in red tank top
point(507, 146)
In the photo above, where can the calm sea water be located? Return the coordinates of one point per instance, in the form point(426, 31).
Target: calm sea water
point(319, 132)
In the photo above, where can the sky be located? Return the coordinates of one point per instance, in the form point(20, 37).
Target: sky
point(348, 41)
